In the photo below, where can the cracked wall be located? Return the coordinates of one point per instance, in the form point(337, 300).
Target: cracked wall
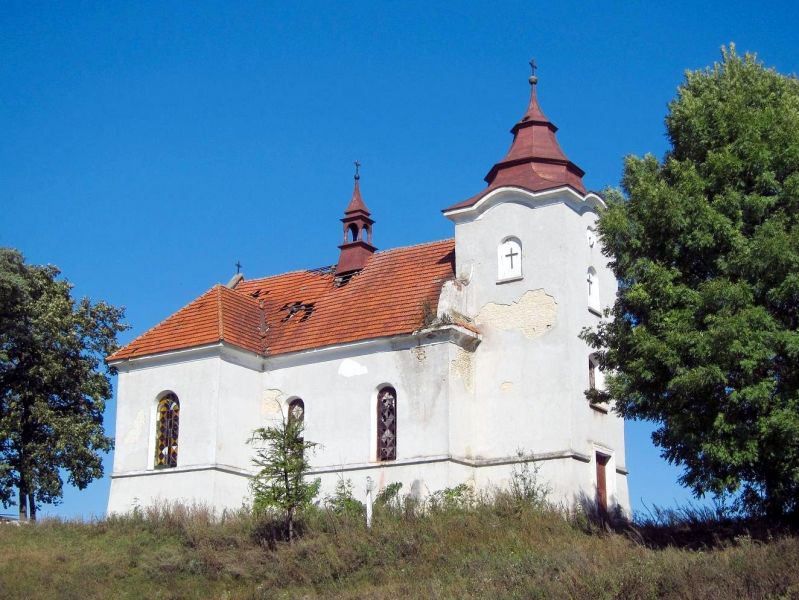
point(533, 314)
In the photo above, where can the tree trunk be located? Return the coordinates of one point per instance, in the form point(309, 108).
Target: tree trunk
point(23, 504)
point(32, 507)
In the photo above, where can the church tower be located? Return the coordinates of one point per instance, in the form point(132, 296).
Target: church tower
point(357, 246)
point(531, 275)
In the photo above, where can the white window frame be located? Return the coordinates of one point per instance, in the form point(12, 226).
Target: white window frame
point(504, 273)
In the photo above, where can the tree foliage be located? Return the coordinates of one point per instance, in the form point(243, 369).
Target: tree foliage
point(282, 457)
point(53, 385)
point(704, 338)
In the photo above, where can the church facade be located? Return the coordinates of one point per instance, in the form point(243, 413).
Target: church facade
point(431, 365)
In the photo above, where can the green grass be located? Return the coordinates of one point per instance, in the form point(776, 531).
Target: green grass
point(497, 549)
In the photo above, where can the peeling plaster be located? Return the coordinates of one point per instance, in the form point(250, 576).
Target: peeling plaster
point(419, 353)
point(351, 368)
point(533, 314)
point(270, 405)
point(462, 366)
point(137, 429)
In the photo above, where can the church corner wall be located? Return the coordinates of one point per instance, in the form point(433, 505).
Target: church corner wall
point(239, 411)
point(194, 378)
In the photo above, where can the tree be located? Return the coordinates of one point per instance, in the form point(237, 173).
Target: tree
point(703, 338)
point(53, 387)
point(282, 456)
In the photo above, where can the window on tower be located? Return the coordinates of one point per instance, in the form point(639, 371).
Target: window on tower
point(593, 291)
point(509, 260)
point(167, 425)
point(591, 234)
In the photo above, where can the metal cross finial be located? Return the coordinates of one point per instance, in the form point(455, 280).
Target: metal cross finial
point(533, 68)
point(238, 267)
point(357, 169)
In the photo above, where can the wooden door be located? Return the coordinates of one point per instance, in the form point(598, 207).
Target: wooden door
point(601, 483)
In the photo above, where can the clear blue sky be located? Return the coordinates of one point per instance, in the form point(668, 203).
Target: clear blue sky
point(147, 146)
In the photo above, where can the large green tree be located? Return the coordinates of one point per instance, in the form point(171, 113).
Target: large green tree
point(53, 383)
point(704, 337)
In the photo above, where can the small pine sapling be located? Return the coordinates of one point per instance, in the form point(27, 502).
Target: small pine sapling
point(282, 459)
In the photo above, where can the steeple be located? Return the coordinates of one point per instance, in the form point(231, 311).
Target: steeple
point(357, 246)
point(535, 161)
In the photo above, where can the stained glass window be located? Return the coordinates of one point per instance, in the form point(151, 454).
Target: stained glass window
point(297, 414)
point(166, 450)
point(387, 424)
point(297, 411)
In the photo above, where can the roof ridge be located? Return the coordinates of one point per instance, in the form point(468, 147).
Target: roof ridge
point(419, 245)
point(318, 269)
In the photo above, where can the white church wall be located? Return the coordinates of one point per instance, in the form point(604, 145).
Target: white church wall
point(523, 364)
point(194, 377)
point(239, 409)
point(530, 370)
point(340, 396)
point(205, 487)
point(195, 381)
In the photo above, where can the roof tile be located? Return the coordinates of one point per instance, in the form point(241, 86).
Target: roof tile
point(308, 309)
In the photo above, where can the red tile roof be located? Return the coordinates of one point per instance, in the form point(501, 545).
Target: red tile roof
point(308, 309)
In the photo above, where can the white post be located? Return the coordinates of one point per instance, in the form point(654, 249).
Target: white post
point(370, 486)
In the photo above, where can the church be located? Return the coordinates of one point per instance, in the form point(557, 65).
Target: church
point(433, 365)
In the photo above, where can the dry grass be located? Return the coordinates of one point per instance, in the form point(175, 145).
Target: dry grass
point(498, 549)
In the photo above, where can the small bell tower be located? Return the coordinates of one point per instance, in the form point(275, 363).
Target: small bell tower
point(357, 246)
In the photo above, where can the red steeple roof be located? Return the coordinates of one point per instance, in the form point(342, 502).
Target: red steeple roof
point(357, 246)
point(535, 160)
point(357, 204)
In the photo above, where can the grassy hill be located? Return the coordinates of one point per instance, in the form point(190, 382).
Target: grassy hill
point(498, 549)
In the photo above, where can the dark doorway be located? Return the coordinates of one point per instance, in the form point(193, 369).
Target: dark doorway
point(602, 484)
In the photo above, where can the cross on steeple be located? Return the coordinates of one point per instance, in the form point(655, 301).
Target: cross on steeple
point(533, 66)
point(238, 267)
point(357, 169)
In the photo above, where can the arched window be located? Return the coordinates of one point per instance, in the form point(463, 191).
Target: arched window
point(166, 447)
point(591, 233)
point(352, 231)
point(509, 259)
point(387, 424)
point(297, 411)
point(596, 379)
point(593, 290)
point(365, 234)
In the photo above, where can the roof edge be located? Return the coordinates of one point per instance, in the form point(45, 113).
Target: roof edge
point(478, 202)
